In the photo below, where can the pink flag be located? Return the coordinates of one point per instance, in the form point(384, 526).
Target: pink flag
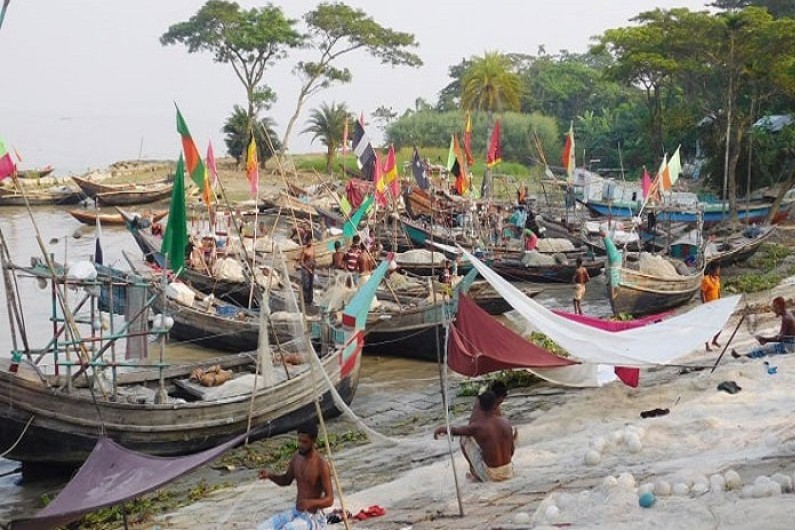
point(211, 166)
point(646, 182)
point(7, 167)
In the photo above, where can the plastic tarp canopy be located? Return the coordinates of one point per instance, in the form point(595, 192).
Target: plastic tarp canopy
point(111, 475)
point(639, 347)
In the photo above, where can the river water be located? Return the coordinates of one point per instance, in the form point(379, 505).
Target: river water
point(68, 241)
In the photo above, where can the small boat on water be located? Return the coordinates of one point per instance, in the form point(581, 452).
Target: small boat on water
point(51, 196)
point(91, 188)
point(35, 173)
point(135, 196)
point(163, 409)
point(89, 217)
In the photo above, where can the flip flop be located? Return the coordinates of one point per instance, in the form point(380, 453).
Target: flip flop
point(372, 511)
point(729, 387)
point(653, 413)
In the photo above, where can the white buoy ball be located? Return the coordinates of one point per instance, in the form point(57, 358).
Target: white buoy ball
point(783, 480)
point(761, 479)
point(626, 481)
point(699, 488)
point(157, 323)
point(733, 480)
point(168, 323)
point(633, 443)
point(565, 501)
point(609, 482)
point(662, 488)
point(759, 490)
point(773, 489)
point(680, 489)
point(646, 500)
point(593, 457)
point(646, 486)
point(747, 492)
point(717, 483)
point(522, 518)
point(617, 437)
point(598, 444)
point(551, 513)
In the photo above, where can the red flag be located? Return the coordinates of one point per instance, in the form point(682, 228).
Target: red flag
point(390, 176)
point(468, 141)
point(568, 152)
point(378, 178)
point(345, 137)
point(645, 182)
point(494, 155)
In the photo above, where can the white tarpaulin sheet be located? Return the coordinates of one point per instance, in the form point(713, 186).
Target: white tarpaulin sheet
point(659, 343)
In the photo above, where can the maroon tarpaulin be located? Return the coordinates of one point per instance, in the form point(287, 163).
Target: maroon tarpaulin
point(112, 475)
point(479, 344)
point(356, 190)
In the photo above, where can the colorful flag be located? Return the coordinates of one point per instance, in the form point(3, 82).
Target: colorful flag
point(175, 240)
point(672, 170)
point(645, 182)
point(7, 166)
point(568, 152)
point(252, 168)
point(378, 178)
point(212, 167)
point(193, 160)
point(345, 138)
point(455, 165)
point(494, 156)
point(390, 177)
point(363, 149)
point(418, 170)
point(468, 140)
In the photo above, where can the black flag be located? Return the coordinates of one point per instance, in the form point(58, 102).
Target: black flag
point(418, 169)
point(363, 149)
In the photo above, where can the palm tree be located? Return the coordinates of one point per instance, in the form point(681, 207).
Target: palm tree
point(237, 136)
point(328, 123)
point(490, 84)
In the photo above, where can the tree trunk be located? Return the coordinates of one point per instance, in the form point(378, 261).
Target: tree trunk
point(329, 159)
point(781, 192)
point(734, 157)
point(290, 124)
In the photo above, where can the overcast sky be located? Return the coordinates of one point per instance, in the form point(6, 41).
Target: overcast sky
point(86, 82)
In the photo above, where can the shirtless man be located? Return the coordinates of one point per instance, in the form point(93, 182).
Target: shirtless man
point(366, 263)
point(581, 277)
point(338, 258)
point(783, 341)
point(313, 479)
point(487, 442)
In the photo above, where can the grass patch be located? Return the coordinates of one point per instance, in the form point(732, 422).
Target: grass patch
point(511, 378)
point(139, 511)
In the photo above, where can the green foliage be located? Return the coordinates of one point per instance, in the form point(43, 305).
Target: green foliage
point(540, 339)
point(752, 282)
point(511, 379)
point(767, 271)
point(138, 511)
point(770, 256)
point(237, 136)
point(250, 40)
point(327, 123)
point(433, 129)
point(490, 84)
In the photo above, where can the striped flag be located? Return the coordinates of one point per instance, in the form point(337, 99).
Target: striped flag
point(193, 160)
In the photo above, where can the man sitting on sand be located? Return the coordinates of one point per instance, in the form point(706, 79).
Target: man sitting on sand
point(783, 341)
point(313, 479)
point(487, 442)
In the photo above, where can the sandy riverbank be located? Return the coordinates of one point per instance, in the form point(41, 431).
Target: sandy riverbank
point(707, 433)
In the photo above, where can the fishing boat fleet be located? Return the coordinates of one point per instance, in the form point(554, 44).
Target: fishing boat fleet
point(292, 292)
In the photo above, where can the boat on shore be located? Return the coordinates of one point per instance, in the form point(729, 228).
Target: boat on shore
point(164, 410)
point(60, 195)
point(136, 195)
point(734, 248)
point(35, 173)
point(89, 217)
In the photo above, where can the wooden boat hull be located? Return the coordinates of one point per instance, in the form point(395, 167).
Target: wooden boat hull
point(10, 197)
point(90, 218)
point(92, 188)
point(756, 213)
point(639, 294)
point(130, 197)
point(34, 173)
point(514, 270)
point(164, 430)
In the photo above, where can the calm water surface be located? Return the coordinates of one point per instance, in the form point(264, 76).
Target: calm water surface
point(70, 241)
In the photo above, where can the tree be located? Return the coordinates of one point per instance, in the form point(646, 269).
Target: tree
point(489, 84)
point(327, 123)
point(450, 96)
point(336, 30)
point(237, 136)
point(250, 40)
point(385, 115)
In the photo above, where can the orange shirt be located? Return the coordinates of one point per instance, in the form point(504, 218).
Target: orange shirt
point(710, 288)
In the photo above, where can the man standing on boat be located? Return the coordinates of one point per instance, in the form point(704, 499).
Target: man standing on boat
point(352, 260)
point(313, 480)
point(307, 264)
point(581, 277)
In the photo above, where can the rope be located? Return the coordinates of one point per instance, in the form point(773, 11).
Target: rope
point(14, 445)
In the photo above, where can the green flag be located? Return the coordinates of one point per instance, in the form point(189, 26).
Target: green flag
point(175, 239)
point(350, 226)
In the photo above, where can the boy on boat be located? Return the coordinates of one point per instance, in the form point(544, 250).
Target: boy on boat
point(313, 480)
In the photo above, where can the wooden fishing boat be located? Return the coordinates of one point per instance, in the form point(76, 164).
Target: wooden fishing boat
point(135, 196)
point(646, 290)
point(89, 217)
point(288, 206)
point(55, 196)
point(517, 271)
point(92, 188)
point(35, 173)
point(161, 410)
point(734, 248)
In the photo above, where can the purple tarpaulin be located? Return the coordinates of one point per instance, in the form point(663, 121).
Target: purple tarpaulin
point(112, 475)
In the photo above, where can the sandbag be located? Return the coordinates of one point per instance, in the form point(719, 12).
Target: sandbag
point(555, 244)
point(533, 258)
point(228, 269)
point(656, 266)
point(180, 293)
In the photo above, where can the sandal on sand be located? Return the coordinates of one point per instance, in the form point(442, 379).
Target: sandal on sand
point(372, 511)
point(653, 413)
point(729, 386)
